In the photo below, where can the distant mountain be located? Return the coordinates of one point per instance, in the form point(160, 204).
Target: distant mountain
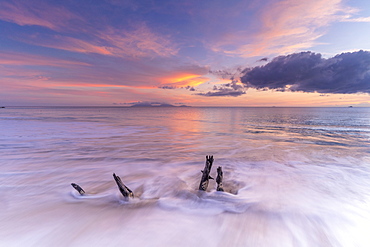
point(148, 104)
point(142, 104)
point(164, 105)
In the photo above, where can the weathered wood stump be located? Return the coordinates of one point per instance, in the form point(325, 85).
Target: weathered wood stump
point(125, 191)
point(78, 188)
point(220, 176)
point(205, 177)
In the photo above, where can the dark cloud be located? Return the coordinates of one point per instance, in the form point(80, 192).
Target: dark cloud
point(223, 74)
point(222, 92)
point(233, 85)
point(233, 88)
point(190, 88)
point(230, 89)
point(168, 87)
point(265, 59)
point(122, 103)
point(308, 72)
point(228, 74)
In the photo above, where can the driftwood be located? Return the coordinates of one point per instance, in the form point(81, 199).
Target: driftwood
point(205, 177)
point(125, 191)
point(220, 176)
point(78, 188)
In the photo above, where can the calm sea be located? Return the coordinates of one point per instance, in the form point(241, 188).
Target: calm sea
point(292, 176)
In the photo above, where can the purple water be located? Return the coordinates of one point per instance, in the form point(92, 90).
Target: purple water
point(293, 176)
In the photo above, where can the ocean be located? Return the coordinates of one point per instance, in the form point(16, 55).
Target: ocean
point(292, 176)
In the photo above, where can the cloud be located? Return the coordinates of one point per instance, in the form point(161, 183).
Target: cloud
point(223, 74)
point(345, 73)
point(359, 19)
point(284, 26)
point(190, 88)
point(264, 59)
point(222, 92)
point(18, 59)
point(136, 43)
point(289, 26)
point(139, 42)
point(104, 71)
point(185, 76)
point(36, 13)
point(66, 43)
point(167, 87)
point(229, 89)
point(76, 33)
point(233, 88)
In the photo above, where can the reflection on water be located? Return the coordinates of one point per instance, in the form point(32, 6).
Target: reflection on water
point(293, 176)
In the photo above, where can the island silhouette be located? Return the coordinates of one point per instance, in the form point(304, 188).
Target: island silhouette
point(151, 104)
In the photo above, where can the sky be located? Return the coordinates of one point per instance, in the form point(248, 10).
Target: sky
point(192, 52)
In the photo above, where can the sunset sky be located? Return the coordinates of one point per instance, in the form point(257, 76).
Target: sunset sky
point(198, 53)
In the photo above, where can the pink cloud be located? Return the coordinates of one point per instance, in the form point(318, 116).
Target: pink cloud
point(66, 43)
point(140, 42)
point(39, 92)
point(35, 13)
point(76, 74)
point(12, 58)
point(286, 26)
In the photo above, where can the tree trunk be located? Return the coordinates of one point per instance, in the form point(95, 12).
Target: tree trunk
point(220, 177)
point(78, 188)
point(125, 191)
point(205, 177)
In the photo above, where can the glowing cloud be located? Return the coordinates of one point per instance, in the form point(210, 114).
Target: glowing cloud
point(286, 26)
point(183, 80)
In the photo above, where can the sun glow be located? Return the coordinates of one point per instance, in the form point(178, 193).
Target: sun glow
point(184, 80)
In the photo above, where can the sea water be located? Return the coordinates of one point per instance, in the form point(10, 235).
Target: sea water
point(292, 176)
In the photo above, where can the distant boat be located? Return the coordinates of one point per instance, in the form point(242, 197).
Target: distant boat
point(350, 106)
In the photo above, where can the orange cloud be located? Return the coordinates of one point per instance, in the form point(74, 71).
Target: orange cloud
point(184, 80)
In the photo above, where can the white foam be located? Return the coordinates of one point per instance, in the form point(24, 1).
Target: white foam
point(282, 188)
